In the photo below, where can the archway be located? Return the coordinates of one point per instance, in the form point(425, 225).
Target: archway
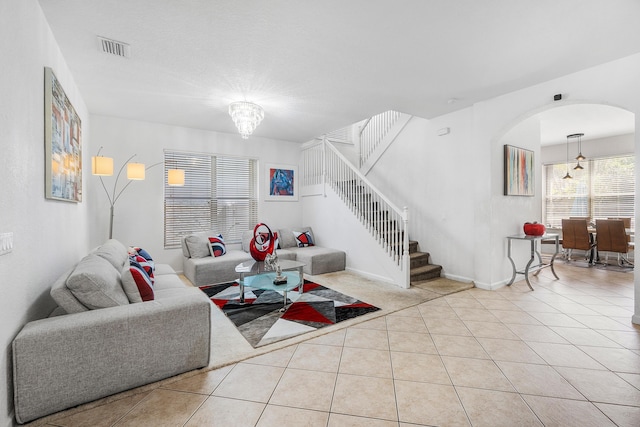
point(609, 131)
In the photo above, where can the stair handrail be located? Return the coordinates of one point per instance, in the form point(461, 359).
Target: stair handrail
point(400, 257)
point(402, 212)
point(382, 123)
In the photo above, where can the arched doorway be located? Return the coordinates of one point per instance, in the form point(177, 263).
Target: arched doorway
point(608, 131)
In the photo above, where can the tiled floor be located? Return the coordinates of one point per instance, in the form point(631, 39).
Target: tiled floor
point(563, 355)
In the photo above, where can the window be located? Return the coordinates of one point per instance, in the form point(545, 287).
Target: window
point(220, 194)
point(605, 188)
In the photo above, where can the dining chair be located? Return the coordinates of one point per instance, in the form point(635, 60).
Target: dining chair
point(576, 236)
point(626, 221)
point(612, 237)
point(586, 218)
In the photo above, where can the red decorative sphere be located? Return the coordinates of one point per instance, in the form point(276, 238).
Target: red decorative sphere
point(534, 229)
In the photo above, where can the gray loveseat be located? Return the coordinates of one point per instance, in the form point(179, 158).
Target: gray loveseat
point(97, 343)
point(203, 269)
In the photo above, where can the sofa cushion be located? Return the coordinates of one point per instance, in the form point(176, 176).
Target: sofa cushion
point(198, 244)
point(287, 239)
point(96, 284)
point(167, 281)
point(183, 245)
point(289, 254)
point(210, 270)
point(303, 238)
point(136, 283)
point(63, 296)
point(217, 246)
point(319, 260)
point(163, 269)
point(247, 235)
point(114, 252)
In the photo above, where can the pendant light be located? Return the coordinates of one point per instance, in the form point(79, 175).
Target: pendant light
point(567, 176)
point(580, 157)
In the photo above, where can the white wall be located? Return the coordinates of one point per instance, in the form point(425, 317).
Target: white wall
point(335, 226)
point(139, 213)
point(49, 236)
point(431, 175)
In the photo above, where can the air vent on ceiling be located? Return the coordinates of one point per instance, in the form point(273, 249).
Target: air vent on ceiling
point(113, 47)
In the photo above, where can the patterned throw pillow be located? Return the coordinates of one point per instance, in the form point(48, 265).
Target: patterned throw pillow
point(217, 246)
point(145, 255)
point(303, 239)
point(136, 283)
point(146, 265)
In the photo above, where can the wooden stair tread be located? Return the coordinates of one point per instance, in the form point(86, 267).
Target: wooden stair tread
point(425, 269)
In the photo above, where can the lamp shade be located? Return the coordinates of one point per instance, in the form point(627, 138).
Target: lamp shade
point(102, 166)
point(175, 177)
point(135, 171)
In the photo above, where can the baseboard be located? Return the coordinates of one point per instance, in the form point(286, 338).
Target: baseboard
point(492, 286)
point(457, 278)
point(372, 276)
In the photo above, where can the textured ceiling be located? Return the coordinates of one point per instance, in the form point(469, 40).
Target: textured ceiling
point(317, 66)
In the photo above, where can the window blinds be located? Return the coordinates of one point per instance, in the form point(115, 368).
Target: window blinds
point(605, 188)
point(220, 194)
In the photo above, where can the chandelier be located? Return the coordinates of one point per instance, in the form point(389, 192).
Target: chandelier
point(247, 116)
point(580, 157)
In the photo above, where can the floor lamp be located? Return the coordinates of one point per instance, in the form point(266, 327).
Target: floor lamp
point(103, 166)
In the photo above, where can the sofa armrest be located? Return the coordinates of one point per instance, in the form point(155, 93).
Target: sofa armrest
point(64, 361)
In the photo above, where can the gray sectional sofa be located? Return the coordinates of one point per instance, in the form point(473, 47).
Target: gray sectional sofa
point(98, 343)
point(203, 269)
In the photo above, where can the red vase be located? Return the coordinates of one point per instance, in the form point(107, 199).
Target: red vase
point(262, 243)
point(534, 229)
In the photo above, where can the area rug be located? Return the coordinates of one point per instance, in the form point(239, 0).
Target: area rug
point(261, 321)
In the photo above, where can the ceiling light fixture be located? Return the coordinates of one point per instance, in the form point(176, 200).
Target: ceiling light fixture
point(580, 157)
point(247, 116)
point(567, 176)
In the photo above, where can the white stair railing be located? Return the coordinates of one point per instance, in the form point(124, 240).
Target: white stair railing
point(385, 222)
point(373, 131)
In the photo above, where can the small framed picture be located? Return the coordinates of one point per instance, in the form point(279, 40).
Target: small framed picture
point(281, 183)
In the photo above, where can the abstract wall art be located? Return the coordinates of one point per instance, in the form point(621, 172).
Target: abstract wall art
point(282, 183)
point(63, 143)
point(518, 172)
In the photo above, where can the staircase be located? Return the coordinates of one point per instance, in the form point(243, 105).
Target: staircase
point(360, 201)
point(420, 269)
point(324, 166)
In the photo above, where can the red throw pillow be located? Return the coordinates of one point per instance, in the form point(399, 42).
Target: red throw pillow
point(142, 280)
point(303, 239)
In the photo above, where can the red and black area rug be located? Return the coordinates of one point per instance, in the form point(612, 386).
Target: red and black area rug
point(261, 322)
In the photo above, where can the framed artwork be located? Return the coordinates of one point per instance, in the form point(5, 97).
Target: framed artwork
point(63, 143)
point(282, 182)
point(518, 171)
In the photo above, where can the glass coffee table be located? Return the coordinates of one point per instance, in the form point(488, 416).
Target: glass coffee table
point(255, 274)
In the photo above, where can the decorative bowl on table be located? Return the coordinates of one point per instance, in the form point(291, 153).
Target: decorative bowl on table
point(534, 229)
